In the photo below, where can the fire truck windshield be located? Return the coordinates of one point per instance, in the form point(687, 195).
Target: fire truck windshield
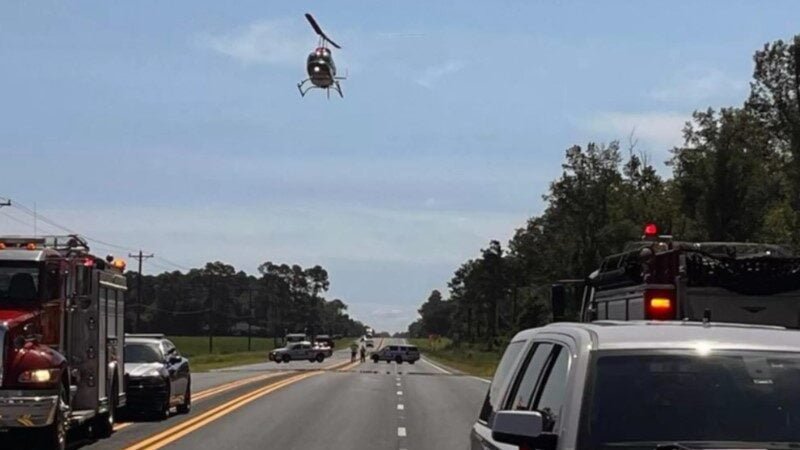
point(19, 281)
point(688, 397)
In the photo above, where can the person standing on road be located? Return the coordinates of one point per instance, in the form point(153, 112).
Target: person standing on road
point(353, 350)
point(363, 354)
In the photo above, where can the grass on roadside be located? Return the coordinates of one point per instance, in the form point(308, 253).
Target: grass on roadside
point(465, 358)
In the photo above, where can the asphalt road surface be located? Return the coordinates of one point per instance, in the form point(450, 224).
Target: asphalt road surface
point(297, 406)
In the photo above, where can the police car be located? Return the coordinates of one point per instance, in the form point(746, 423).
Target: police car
point(644, 385)
point(397, 353)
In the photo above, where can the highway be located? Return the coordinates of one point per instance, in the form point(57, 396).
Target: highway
point(349, 406)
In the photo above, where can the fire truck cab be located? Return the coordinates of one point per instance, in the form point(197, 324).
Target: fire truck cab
point(61, 335)
point(659, 278)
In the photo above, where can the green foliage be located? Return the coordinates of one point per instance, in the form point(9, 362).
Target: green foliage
point(735, 178)
point(281, 299)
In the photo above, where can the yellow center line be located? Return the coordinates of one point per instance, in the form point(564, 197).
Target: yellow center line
point(171, 435)
point(234, 384)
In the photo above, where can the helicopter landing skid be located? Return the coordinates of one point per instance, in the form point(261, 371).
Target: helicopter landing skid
point(336, 87)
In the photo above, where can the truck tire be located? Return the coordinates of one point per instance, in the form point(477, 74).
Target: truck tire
point(398, 359)
point(186, 406)
point(287, 358)
point(103, 424)
point(320, 357)
point(54, 436)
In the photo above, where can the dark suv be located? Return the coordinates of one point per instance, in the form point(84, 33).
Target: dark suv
point(157, 376)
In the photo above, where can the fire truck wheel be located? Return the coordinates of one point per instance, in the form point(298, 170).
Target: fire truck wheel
point(54, 436)
point(103, 425)
point(186, 406)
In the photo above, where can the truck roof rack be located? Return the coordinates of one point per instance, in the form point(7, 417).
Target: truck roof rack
point(63, 244)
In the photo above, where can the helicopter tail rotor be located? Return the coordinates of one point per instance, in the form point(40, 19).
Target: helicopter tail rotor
point(319, 31)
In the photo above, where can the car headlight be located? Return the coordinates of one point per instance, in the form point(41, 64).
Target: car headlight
point(38, 376)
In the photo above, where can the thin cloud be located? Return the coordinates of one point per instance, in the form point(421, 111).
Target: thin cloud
point(275, 42)
point(659, 131)
point(697, 85)
point(431, 75)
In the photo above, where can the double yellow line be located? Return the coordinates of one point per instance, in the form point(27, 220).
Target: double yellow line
point(172, 434)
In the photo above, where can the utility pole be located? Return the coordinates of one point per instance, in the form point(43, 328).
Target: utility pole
point(250, 318)
point(141, 257)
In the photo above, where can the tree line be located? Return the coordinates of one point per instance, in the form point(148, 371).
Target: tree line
point(736, 177)
point(219, 299)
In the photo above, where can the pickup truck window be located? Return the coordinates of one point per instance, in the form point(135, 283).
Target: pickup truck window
point(552, 395)
point(725, 396)
point(501, 374)
point(521, 395)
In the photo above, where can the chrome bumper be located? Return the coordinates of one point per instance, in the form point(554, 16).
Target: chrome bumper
point(25, 409)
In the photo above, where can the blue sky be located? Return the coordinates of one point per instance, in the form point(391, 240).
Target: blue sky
point(176, 126)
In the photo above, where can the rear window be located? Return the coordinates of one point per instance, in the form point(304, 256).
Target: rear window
point(657, 397)
point(501, 374)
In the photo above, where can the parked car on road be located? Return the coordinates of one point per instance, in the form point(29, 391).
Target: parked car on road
point(299, 351)
point(324, 339)
point(644, 385)
point(157, 376)
point(397, 353)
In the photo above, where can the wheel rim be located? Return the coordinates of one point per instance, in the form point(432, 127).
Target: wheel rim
point(61, 427)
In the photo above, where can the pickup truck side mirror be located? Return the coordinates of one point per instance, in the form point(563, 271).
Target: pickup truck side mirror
point(557, 300)
point(521, 428)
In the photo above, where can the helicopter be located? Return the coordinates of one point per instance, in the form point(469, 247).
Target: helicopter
point(319, 65)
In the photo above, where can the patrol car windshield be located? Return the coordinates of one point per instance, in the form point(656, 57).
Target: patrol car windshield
point(142, 353)
point(731, 397)
point(19, 281)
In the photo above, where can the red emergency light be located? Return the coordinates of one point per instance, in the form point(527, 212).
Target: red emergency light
point(659, 304)
point(651, 230)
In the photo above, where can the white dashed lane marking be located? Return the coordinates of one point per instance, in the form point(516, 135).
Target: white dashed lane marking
point(400, 407)
point(399, 392)
point(401, 431)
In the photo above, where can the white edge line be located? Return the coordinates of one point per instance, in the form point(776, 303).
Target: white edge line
point(482, 379)
point(437, 367)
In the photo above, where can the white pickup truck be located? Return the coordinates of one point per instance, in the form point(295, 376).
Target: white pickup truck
point(644, 385)
point(299, 351)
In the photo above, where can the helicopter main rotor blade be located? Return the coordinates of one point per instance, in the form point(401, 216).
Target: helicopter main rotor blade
point(319, 31)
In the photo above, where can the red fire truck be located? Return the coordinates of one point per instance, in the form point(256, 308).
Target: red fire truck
point(61, 335)
point(660, 278)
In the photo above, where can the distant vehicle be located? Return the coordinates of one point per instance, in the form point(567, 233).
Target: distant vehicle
point(295, 337)
point(157, 376)
point(324, 339)
point(299, 351)
point(397, 353)
point(369, 332)
point(369, 343)
point(319, 65)
point(644, 385)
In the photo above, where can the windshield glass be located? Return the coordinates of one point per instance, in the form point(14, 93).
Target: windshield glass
point(750, 396)
point(142, 353)
point(19, 281)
